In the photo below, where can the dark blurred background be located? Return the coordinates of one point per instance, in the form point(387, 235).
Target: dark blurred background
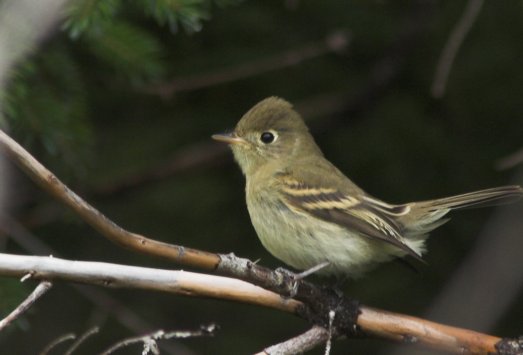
point(119, 99)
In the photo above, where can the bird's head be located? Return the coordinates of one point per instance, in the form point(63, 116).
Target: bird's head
point(270, 132)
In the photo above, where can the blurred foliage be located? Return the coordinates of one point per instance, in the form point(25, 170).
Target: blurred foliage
point(45, 104)
point(87, 104)
point(128, 50)
point(89, 15)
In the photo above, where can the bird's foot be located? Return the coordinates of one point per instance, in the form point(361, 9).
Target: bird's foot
point(290, 279)
point(289, 283)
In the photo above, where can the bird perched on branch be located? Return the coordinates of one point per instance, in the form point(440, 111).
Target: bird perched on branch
point(306, 212)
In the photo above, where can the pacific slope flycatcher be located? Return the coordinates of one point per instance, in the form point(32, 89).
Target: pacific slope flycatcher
point(306, 212)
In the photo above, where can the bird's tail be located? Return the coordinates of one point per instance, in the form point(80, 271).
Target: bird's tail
point(482, 198)
point(427, 215)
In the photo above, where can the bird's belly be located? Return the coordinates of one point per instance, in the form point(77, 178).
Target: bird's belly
point(303, 241)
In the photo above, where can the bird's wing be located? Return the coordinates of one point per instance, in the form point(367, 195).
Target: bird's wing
point(362, 214)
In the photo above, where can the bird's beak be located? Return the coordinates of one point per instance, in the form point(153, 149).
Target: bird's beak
point(229, 138)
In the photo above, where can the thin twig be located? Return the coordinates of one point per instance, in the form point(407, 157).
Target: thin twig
point(81, 339)
point(334, 42)
point(150, 340)
point(38, 292)
point(56, 342)
point(299, 344)
point(452, 46)
point(104, 301)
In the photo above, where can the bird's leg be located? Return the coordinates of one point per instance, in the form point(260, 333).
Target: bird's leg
point(292, 284)
point(312, 270)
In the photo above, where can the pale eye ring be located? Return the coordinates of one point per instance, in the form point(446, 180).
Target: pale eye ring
point(267, 137)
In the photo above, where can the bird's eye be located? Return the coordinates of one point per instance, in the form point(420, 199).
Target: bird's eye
point(267, 137)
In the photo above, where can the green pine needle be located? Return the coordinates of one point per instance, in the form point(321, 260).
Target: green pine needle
point(84, 15)
point(128, 50)
point(188, 13)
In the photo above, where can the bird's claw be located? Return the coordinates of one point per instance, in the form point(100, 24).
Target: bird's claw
point(289, 282)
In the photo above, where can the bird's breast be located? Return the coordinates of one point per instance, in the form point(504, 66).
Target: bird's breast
point(303, 241)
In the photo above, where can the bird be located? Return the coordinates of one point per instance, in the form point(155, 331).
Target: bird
point(307, 213)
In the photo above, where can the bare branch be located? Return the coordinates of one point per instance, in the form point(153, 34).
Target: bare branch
point(99, 297)
point(452, 46)
point(149, 340)
point(123, 276)
point(38, 292)
point(370, 321)
point(56, 342)
point(50, 183)
point(414, 330)
point(81, 340)
point(334, 42)
point(303, 342)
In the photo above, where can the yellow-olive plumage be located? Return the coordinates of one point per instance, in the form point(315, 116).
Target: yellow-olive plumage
point(306, 212)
